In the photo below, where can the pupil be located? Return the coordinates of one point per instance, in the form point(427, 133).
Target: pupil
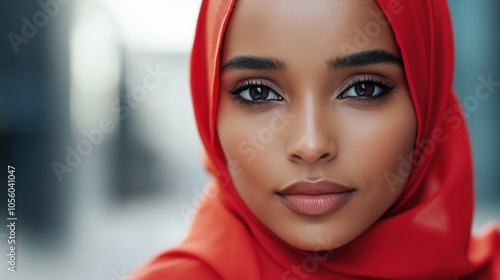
point(259, 93)
point(364, 89)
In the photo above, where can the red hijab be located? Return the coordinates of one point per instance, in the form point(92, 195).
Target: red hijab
point(425, 235)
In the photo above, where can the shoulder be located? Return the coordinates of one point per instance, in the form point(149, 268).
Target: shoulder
point(175, 268)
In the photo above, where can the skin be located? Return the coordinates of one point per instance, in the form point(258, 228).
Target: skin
point(349, 141)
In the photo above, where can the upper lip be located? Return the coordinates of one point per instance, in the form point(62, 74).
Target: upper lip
point(317, 187)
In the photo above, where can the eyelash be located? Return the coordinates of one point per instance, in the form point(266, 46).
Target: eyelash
point(386, 88)
point(247, 84)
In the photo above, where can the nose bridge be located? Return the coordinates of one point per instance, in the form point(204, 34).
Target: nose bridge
point(310, 140)
point(309, 112)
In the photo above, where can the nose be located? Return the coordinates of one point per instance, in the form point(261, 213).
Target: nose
point(311, 140)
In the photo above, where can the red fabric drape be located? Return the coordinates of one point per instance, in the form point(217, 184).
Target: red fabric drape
point(425, 235)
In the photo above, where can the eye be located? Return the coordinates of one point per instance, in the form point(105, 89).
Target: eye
point(366, 88)
point(259, 93)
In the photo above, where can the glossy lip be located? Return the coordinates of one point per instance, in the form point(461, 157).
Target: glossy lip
point(314, 198)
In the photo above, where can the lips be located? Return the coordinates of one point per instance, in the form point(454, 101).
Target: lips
point(314, 198)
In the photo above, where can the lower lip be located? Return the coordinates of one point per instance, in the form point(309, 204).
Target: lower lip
point(315, 205)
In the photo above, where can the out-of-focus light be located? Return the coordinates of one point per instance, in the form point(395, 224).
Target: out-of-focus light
point(95, 55)
point(156, 25)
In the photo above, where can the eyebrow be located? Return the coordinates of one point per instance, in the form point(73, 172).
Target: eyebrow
point(364, 58)
point(272, 64)
point(253, 63)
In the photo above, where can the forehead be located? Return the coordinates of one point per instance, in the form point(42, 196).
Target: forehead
point(308, 31)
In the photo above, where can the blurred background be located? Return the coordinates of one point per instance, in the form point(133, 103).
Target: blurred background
point(95, 116)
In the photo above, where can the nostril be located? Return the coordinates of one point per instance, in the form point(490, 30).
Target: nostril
point(296, 157)
point(325, 156)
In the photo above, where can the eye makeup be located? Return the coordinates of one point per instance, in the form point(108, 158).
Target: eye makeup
point(366, 89)
point(363, 89)
point(255, 93)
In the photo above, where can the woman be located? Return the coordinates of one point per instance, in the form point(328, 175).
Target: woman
point(335, 145)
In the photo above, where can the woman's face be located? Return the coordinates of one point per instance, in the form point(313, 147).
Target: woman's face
point(316, 115)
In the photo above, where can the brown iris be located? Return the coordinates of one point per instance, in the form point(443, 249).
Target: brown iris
point(364, 89)
point(259, 93)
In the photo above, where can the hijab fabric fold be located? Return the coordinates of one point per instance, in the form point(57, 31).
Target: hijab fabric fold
point(427, 232)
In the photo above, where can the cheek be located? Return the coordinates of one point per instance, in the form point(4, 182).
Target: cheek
point(250, 143)
point(378, 143)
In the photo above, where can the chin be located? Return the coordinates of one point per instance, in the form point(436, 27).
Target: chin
point(318, 241)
